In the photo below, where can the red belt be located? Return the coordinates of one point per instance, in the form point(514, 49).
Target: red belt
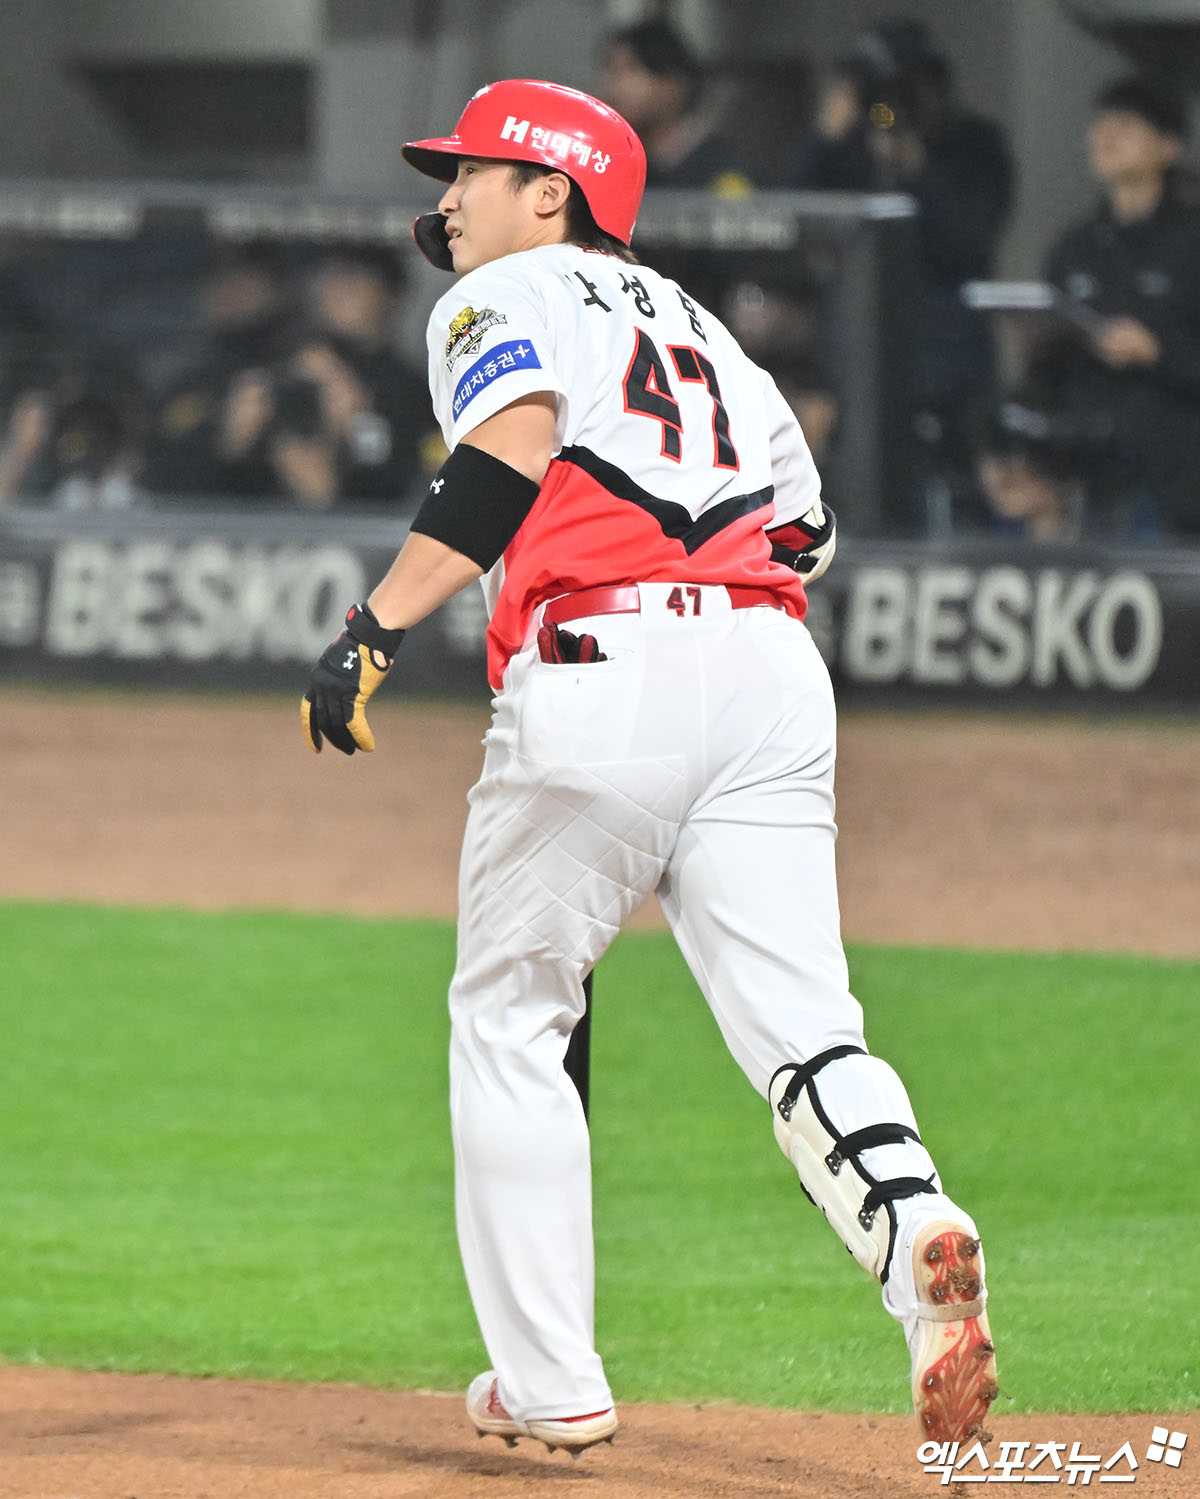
point(626, 599)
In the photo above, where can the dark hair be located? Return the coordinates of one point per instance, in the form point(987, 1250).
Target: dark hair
point(663, 51)
point(1147, 98)
point(262, 257)
point(381, 261)
point(897, 63)
point(896, 49)
point(582, 228)
point(1059, 444)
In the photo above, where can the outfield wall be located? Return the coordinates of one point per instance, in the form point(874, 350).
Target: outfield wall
point(249, 599)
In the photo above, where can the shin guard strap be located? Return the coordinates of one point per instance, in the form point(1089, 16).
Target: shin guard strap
point(802, 1076)
point(849, 1146)
point(891, 1191)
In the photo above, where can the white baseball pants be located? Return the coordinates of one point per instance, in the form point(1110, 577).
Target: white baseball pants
point(697, 761)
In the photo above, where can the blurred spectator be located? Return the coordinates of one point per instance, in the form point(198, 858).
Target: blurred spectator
point(1135, 265)
point(889, 120)
point(781, 323)
point(73, 437)
point(1029, 472)
point(805, 388)
point(349, 419)
point(653, 78)
point(319, 411)
point(205, 437)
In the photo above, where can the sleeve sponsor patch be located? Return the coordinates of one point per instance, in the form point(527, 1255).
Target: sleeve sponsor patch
point(504, 359)
point(467, 329)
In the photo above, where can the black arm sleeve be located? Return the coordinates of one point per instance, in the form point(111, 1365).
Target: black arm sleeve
point(476, 505)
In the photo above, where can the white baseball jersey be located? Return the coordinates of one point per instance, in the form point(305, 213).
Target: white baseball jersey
point(673, 449)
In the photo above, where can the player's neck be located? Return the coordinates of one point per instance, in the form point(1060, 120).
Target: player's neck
point(538, 238)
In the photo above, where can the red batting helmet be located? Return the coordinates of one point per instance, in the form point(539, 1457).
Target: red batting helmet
point(524, 119)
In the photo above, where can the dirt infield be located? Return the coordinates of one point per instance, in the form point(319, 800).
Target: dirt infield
point(123, 1436)
point(967, 831)
point(964, 831)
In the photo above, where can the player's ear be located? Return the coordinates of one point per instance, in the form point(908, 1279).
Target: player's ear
point(553, 191)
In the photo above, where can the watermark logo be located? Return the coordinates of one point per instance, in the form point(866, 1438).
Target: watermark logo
point(1047, 1462)
point(1166, 1446)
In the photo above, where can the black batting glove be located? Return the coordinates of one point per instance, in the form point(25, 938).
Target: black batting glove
point(334, 707)
point(807, 544)
point(564, 649)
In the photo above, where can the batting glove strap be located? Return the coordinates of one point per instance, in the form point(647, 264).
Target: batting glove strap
point(366, 629)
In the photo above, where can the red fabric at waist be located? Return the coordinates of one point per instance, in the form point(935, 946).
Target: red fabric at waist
point(625, 599)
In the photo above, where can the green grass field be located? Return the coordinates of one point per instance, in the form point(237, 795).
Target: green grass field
point(226, 1151)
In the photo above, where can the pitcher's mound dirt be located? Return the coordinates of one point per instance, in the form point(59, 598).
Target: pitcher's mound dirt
point(122, 1436)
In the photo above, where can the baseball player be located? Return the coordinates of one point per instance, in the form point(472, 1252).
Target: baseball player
point(642, 509)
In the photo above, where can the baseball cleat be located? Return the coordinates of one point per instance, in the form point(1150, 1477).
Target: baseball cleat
point(572, 1433)
point(953, 1358)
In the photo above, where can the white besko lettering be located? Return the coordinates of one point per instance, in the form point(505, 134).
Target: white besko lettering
point(1057, 636)
point(20, 603)
point(289, 604)
point(515, 130)
point(204, 587)
point(940, 620)
point(942, 626)
point(140, 605)
point(76, 611)
point(198, 601)
point(876, 644)
point(1137, 594)
point(1000, 653)
point(319, 581)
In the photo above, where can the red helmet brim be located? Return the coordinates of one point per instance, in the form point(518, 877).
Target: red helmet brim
point(435, 158)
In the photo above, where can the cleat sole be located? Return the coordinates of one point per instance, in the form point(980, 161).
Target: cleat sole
point(954, 1372)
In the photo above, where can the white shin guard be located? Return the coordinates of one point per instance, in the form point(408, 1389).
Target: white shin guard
point(853, 1140)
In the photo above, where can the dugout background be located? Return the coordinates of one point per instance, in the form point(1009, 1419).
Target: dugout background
point(129, 118)
point(165, 88)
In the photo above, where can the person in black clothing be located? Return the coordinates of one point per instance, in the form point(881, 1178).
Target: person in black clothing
point(318, 412)
point(654, 79)
point(350, 419)
point(1029, 470)
point(889, 121)
point(1136, 263)
point(203, 439)
point(73, 434)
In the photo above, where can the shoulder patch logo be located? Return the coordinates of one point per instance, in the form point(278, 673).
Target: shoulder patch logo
point(466, 332)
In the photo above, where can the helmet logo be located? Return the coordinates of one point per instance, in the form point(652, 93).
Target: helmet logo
point(570, 152)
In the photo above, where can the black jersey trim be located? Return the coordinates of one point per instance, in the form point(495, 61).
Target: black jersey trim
point(676, 520)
